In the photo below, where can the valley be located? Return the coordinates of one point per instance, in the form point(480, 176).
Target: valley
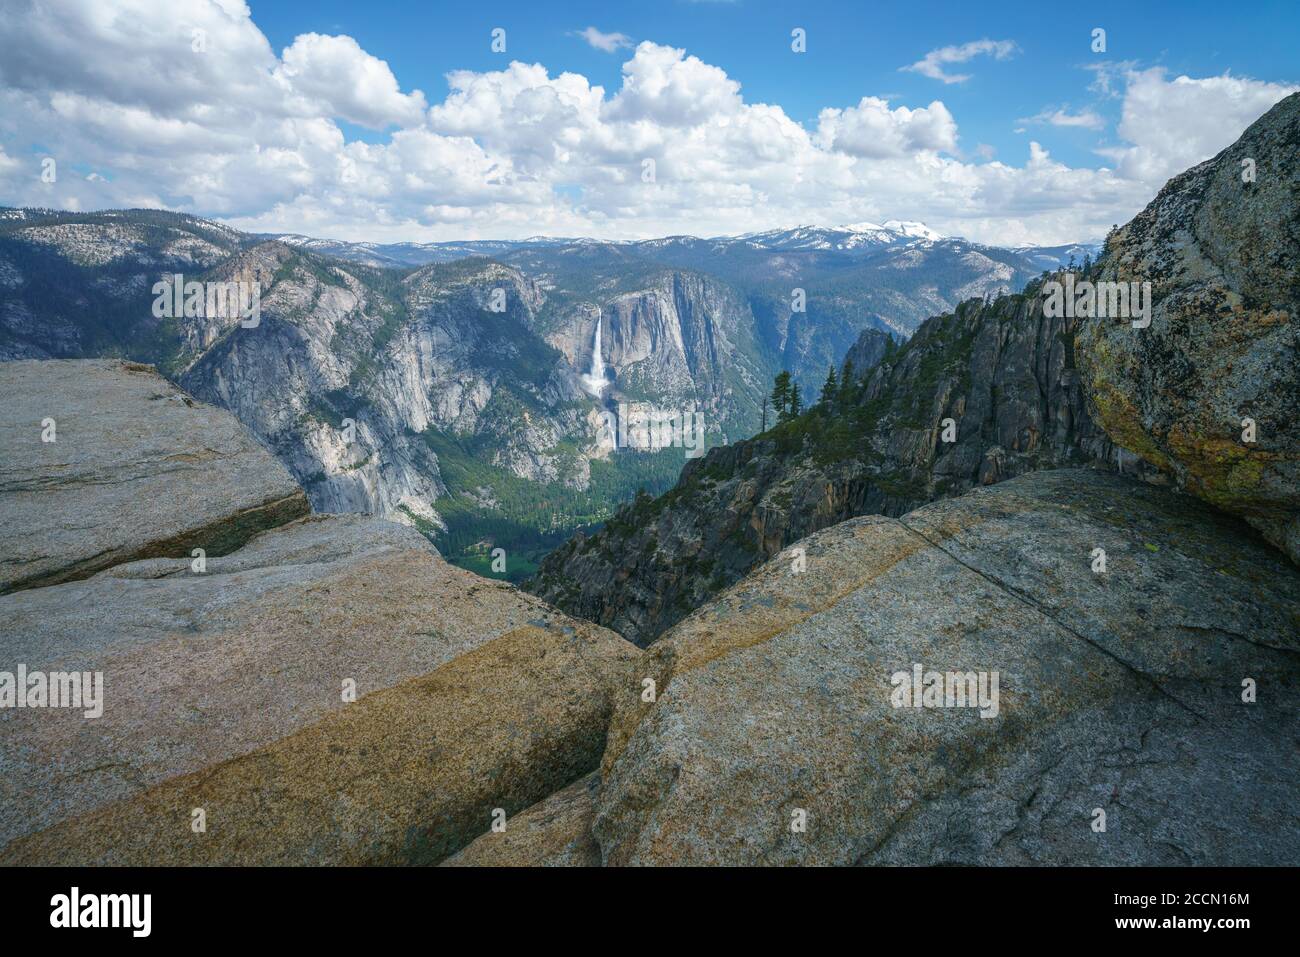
point(490, 394)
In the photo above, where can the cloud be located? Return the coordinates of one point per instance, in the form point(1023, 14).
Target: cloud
point(664, 85)
point(1175, 124)
point(348, 82)
point(872, 129)
point(8, 164)
point(1084, 119)
point(608, 42)
point(258, 139)
point(932, 63)
point(1106, 76)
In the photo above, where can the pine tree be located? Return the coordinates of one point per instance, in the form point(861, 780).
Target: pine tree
point(796, 406)
point(848, 386)
point(830, 391)
point(781, 396)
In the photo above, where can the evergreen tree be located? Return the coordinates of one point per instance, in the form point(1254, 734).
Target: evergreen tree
point(848, 387)
point(830, 391)
point(781, 396)
point(796, 406)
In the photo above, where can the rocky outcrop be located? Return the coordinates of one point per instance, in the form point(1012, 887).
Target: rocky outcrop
point(868, 352)
point(330, 692)
point(105, 462)
point(1160, 692)
point(1210, 390)
point(974, 398)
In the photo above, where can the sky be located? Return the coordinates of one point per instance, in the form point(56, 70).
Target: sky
point(425, 121)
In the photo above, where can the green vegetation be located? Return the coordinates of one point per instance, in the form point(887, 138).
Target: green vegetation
point(490, 507)
point(785, 398)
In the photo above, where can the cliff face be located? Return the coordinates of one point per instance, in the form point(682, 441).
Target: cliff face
point(975, 397)
point(1210, 390)
point(673, 340)
point(343, 377)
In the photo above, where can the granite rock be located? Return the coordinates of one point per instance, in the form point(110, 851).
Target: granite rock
point(1221, 251)
point(1120, 691)
point(136, 469)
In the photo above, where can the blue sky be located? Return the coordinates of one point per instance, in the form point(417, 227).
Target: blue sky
point(855, 49)
point(390, 121)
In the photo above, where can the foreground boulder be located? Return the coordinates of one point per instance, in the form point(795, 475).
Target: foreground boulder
point(775, 738)
point(1220, 247)
point(468, 694)
point(407, 774)
point(331, 692)
point(106, 462)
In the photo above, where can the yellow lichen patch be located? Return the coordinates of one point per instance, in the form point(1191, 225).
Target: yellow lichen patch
point(405, 775)
point(1224, 471)
point(1119, 417)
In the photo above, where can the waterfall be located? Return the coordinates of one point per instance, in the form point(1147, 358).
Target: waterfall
point(597, 363)
point(595, 380)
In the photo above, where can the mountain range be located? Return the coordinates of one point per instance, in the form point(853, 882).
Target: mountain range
point(385, 379)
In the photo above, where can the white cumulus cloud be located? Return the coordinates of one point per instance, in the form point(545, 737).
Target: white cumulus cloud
point(872, 129)
point(1084, 119)
point(1174, 124)
point(348, 82)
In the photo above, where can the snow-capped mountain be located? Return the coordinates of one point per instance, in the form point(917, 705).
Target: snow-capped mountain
point(853, 239)
point(855, 236)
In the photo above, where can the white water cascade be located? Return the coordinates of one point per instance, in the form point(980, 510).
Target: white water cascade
point(595, 380)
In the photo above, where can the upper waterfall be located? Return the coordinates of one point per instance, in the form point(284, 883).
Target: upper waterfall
point(595, 380)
